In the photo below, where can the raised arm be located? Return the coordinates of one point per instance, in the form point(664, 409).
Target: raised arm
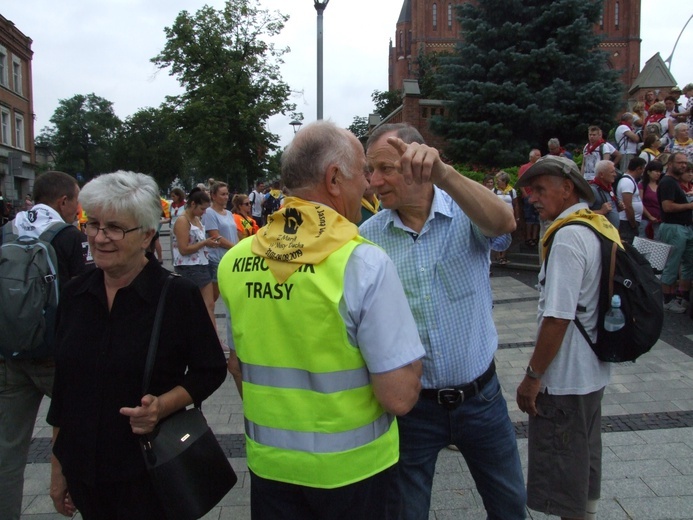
point(420, 163)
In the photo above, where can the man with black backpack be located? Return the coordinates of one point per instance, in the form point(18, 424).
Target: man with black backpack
point(27, 366)
point(564, 382)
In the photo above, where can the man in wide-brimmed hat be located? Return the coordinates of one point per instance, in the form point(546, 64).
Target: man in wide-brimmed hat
point(564, 383)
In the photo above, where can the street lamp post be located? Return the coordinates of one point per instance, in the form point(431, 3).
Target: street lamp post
point(296, 124)
point(320, 8)
point(671, 56)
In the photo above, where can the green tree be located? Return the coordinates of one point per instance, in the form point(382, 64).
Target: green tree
point(386, 102)
point(150, 142)
point(526, 71)
point(359, 126)
point(85, 128)
point(230, 72)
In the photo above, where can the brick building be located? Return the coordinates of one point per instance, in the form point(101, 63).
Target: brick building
point(17, 156)
point(432, 26)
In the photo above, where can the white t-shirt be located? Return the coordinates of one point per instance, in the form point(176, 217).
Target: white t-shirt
point(256, 200)
point(625, 145)
point(591, 159)
point(572, 279)
point(628, 185)
point(508, 198)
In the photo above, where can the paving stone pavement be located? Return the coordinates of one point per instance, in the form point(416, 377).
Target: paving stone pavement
point(648, 425)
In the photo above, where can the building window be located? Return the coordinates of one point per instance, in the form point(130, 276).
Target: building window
point(19, 132)
point(17, 75)
point(435, 17)
point(401, 42)
point(5, 127)
point(449, 16)
point(3, 66)
point(616, 14)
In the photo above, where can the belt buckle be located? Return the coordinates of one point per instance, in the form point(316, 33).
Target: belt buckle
point(450, 397)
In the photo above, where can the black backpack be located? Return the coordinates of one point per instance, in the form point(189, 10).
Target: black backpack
point(270, 205)
point(627, 273)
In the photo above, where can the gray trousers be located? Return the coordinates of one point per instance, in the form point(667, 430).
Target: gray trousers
point(23, 383)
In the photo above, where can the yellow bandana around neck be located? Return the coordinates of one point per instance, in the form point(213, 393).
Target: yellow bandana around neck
point(507, 190)
point(683, 143)
point(373, 207)
point(598, 222)
point(301, 233)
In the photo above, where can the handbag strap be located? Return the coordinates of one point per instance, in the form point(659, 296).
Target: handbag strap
point(154, 339)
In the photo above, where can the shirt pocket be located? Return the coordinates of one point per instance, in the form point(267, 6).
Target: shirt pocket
point(451, 272)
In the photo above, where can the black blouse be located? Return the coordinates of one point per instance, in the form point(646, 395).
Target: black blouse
point(100, 358)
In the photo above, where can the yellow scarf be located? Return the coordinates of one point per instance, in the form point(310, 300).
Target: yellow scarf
point(683, 143)
point(597, 222)
point(300, 233)
point(507, 190)
point(373, 207)
point(651, 151)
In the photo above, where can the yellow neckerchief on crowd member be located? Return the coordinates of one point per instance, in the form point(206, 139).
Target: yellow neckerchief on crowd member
point(373, 207)
point(685, 143)
point(598, 222)
point(300, 233)
point(276, 193)
point(507, 190)
point(651, 151)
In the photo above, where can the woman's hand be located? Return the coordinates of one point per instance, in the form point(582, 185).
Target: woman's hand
point(144, 418)
point(62, 501)
point(212, 242)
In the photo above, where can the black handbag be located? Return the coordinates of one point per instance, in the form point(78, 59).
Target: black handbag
point(188, 468)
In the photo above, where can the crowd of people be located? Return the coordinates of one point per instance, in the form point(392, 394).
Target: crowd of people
point(374, 265)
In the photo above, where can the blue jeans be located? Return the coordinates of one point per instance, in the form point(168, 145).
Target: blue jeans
point(481, 429)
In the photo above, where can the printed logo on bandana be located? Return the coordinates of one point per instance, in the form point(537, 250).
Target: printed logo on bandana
point(31, 215)
point(292, 221)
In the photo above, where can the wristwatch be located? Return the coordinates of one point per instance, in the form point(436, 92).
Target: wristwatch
point(531, 373)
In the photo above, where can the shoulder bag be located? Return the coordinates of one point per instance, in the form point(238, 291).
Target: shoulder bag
point(188, 468)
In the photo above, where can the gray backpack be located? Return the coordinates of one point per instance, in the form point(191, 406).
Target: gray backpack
point(28, 289)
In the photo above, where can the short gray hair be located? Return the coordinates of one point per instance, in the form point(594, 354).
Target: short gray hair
point(681, 126)
point(554, 142)
point(404, 131)
point(124, 193)
point(601, 165)
point(315, 148)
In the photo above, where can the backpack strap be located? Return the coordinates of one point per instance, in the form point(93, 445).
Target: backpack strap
point(607, 275)
point(52, 230)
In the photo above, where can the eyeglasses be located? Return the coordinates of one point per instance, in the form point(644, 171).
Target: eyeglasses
point(111, 231)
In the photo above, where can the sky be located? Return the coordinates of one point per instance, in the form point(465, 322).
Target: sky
point(105, 47)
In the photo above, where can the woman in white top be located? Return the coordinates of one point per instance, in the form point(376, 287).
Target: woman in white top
point(219, 225)
point(190, 247)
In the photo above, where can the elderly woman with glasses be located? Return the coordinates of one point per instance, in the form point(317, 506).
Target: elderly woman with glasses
point(105, 320)
point(245, 223)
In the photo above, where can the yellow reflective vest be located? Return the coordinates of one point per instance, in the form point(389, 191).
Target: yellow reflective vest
point(311, 415)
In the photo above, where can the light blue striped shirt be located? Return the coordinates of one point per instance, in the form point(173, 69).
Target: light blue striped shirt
point(445, 274)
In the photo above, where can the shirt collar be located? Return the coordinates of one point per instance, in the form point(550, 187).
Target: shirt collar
point(145, 283)
point(441, 205)
point(572, 209)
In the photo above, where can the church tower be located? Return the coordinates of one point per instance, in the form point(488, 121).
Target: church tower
point(432, 26)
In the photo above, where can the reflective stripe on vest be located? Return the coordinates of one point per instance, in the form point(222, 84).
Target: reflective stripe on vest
point(319, 442)
point(310, 412)
point(326, 383)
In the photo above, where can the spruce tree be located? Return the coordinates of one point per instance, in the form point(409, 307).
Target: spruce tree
point(527, 70)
